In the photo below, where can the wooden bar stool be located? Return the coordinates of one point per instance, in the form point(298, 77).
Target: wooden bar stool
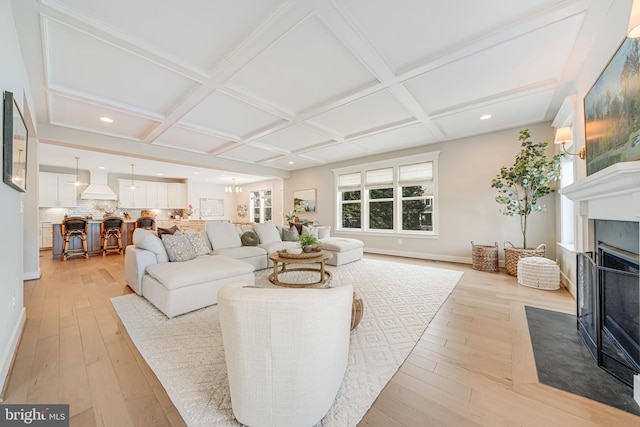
point(146, 222)
point(74, 226)
point(111, 228)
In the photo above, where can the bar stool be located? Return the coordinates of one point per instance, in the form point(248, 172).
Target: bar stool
point(74, 226)
point(111, 227)
point(146, 222)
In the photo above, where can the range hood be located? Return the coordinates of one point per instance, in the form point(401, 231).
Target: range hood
point(98, 189)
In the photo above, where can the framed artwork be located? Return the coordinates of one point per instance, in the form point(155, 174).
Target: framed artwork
point(612, 112)
point(211, 208)
point(304, 200)
point(14, 144)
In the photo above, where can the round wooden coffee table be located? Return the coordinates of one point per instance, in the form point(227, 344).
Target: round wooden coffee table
point(278, 258)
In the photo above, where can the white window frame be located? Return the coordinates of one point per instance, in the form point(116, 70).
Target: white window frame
point(397, 198)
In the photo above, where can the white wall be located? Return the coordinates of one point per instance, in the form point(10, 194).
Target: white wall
point(467, 208)
point(277, 188)
point(16, 229)
point(604, 47)
point(203, 190)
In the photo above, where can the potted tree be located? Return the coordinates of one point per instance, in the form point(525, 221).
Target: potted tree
point(519, 188)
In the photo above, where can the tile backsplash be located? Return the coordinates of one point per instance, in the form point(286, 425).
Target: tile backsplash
point(91, 207)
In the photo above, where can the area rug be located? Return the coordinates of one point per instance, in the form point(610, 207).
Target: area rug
point(186, 353)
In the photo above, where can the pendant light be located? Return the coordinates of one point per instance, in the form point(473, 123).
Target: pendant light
point(233, 188)
point(133, 186)
point(77, 182)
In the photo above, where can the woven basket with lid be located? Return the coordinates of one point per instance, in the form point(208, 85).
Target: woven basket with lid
point(512, 255)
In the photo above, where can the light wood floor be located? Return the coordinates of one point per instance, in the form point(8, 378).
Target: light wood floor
point(473, 366)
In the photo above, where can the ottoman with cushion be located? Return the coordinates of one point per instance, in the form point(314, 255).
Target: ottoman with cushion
point(344, 249)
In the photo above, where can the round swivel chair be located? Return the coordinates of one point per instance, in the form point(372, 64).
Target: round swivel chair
point(72, 227)
point(111, 228)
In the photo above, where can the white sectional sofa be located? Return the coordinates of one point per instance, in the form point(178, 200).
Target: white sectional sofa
point(216, 258)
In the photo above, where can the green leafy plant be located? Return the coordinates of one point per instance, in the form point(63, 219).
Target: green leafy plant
point(529, 179)
point(307, 240)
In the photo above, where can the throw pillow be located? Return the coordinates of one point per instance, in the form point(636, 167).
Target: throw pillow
point(249, 238)
point(198, 243)
point(324, 231)
point(290, 235)
point(310, 230)
point(171, 230)
point(178, 247)
point(205, 236)
point(147, 239)
point(267, 232)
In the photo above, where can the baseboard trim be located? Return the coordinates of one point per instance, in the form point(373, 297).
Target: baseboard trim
point(31, 275)
point(9, 355)
point(419, 255)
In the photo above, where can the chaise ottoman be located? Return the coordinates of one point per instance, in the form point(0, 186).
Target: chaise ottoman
point(344, 249)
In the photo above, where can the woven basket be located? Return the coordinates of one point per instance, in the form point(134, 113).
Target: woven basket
point(484, 257)
point(539, 272)
point(316, 252)
point(512, 255)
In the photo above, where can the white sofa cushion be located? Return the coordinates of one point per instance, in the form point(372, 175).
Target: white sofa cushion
point(223, 235)
point(267, 232)
point(147, 239)
point(240, 253)
point(202, 269)
point(339, 244)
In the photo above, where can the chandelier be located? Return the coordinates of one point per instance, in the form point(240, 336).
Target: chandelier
point(233, 188)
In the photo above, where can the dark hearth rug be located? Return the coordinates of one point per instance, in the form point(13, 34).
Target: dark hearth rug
point(563, 361)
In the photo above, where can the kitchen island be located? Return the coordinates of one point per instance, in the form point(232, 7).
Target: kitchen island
point(93, 237)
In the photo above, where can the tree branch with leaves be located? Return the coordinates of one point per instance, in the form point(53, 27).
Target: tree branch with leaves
point(520, 186)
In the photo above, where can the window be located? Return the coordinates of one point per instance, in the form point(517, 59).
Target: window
point(395, 196)
point(351, 200)
point(260, 206)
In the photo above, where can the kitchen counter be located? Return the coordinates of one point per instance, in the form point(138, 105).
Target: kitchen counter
point(93, 237)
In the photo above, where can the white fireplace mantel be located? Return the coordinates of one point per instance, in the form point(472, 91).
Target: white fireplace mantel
point(612, 193)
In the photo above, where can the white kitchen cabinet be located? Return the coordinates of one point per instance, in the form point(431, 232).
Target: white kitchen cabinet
point(129, 198)
point(45, 235)
point(55, 192)
point(177, 195)
point(157, 195)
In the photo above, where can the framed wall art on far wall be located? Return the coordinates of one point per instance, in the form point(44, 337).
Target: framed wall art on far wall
point(304, 200)
point(14, 144)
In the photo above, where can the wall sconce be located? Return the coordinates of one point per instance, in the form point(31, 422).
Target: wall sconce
point(563, 135)
point(233, 188)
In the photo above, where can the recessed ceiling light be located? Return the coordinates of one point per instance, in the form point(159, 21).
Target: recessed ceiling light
point(195, 173)
point(485, 117)
point(106, 119)
point(101, 167)
point(159, 174)
point(291, 163)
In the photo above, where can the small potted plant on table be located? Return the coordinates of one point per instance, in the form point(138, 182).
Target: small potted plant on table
point(307, 241)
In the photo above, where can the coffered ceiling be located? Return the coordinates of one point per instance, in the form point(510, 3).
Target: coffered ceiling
point(271, 86)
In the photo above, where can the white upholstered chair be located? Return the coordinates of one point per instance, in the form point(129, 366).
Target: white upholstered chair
point(286, 351)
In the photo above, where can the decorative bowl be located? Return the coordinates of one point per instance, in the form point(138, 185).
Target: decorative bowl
point(294, 251)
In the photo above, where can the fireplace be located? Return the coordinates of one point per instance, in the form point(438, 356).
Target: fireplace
point(608, 299)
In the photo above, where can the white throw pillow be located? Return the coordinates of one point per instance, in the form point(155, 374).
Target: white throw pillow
point(324, 231)
point(147, 239)
point(310, 230)
point(267, 232)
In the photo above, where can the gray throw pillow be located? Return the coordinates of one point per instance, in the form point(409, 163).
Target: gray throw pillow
point(198, 243)
point(178, 247)
point(249, 238)
point(290, 235)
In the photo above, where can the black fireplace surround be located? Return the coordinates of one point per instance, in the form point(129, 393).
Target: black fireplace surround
point(608, 300)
